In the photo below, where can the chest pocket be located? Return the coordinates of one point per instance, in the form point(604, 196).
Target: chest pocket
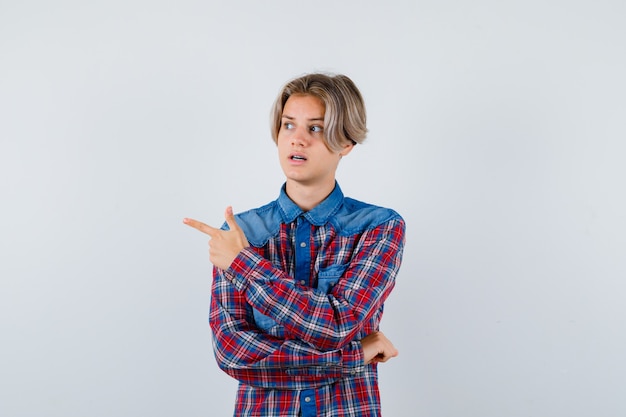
point(326, 279)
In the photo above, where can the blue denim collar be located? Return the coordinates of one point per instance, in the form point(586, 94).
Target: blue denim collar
point(317, 216)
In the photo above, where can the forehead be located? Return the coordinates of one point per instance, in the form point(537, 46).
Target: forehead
point(304, 105)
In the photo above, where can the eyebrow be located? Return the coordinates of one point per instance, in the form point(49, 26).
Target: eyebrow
point(314, 119)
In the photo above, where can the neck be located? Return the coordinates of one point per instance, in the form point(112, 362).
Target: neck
point(308, 196)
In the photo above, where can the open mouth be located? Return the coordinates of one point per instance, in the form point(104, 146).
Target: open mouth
point(297, 158)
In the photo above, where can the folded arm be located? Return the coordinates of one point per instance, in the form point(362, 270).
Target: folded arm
point(327, 321)
point(259, 359)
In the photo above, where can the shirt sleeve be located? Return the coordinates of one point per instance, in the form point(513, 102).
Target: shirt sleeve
point(326, 321)
point(262, 360)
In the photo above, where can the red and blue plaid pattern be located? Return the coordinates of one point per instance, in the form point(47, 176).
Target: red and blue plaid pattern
point(306, 359)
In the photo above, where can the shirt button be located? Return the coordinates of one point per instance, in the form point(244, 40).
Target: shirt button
point(302, 282)
point(307, 399)
point(303, 245)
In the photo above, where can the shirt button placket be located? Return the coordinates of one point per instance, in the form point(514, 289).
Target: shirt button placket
point(303, 254)
point(307, 403)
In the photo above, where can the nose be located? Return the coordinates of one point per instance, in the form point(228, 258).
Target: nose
point(297, 141)
point(299, 137)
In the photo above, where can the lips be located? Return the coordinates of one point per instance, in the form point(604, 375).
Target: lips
point(297, 157)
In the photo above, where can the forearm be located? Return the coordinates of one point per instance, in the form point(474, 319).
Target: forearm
point(259, 359)
point(291, 366)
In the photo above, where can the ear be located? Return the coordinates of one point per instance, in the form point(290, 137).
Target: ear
point(347, 148)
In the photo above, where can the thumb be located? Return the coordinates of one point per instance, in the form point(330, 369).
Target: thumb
point(230, 219)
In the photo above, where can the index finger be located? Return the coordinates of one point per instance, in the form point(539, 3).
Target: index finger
point(204, 228)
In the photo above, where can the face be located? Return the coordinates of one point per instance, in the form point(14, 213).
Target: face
point(303, 154)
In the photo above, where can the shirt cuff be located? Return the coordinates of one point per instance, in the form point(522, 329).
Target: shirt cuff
point(342, 363)
point(353, 359)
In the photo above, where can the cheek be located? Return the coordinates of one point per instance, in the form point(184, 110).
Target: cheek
point(282, 139)
point(281, 144)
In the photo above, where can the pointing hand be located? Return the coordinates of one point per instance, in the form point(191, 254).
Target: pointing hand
point(224, 245)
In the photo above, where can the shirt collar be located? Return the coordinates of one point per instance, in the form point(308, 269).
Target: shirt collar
point(317, 216)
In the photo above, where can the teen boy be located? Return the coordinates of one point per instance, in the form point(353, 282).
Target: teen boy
point(299, 284)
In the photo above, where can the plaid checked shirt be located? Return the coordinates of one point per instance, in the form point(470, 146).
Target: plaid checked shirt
point(288, 314)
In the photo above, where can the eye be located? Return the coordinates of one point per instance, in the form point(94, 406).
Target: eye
point(287, 125)
point(317, 129)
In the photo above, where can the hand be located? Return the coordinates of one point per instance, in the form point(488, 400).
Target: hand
point(377, 348)
point(224, 245)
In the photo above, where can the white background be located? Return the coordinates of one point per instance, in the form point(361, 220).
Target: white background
point(497, 130)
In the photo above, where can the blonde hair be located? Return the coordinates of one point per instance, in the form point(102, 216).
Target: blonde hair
point(344, 115)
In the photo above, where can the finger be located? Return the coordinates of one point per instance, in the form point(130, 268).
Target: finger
point(204, 228)
point(378, 358)
point(391, 353)
point(230, 219)
point(385, 356)
point(390, 349)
